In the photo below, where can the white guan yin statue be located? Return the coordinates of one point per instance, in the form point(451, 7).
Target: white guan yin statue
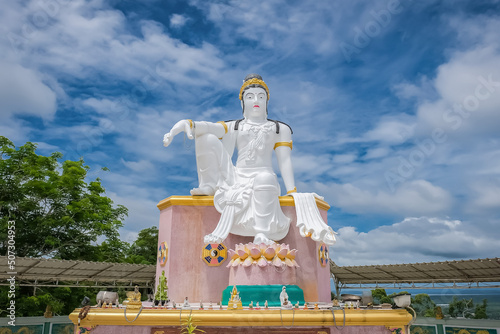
point(247, 195)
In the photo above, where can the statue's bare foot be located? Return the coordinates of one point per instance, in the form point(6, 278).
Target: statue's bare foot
point(261, 238)
point(204, 190)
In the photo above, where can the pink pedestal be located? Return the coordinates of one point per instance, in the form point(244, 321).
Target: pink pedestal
point(185, 220)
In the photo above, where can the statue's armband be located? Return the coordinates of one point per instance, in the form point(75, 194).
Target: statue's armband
point(283, 143)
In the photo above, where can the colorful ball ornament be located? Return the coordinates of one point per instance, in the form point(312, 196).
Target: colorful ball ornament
point(214, 254)
point(163, 253)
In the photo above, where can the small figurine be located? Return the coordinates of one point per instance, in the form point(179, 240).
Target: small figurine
point(201, 305)
point(316, 306)
point(133, 299)
point(235, 300)
point(250, 306)
point(174, 305)
point(220, 305)
point(305, 306)
point(186, 304)
point(257, 307)
point(283, 295)
point(48, 312)
point(286, 304)
point(85, 301)
point(297, 305)
point(210, 307)
point(439, 313)
point(265, 305)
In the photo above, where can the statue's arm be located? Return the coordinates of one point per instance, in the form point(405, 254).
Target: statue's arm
point(186, 125)
point(283, 149)
point(193, 129)
point(218, 129)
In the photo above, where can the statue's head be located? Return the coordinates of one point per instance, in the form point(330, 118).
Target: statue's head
point(254, 94)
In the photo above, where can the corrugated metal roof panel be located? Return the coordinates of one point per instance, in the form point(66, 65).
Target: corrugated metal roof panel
point(65, 270)
point(480, 270)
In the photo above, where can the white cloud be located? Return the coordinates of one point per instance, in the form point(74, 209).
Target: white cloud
point(316, 26)
point(14, 130)
point(486, 194)
point(177, 20)
point(87, 40)
point(307, 166)
point(102, 106)
point(142, 166)
point(22, 91)
point(463, 163)
point(423, 239)
point(143, 212)
point(418, 197)
point(391, 131)
point(344, 158)
point(469, 95)
point(408, 90)
point(377, 152)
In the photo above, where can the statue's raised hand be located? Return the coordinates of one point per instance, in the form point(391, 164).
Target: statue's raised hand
point(181, 126)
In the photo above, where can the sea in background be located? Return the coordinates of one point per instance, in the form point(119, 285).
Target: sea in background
point(445, 296)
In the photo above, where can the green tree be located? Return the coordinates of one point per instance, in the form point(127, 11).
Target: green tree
point(57, 213)
point(423, 305)
point(111, 250)
point(32, 302)
point(144, 249)
point(480, 311)
point(461, 308)
point(380, 297)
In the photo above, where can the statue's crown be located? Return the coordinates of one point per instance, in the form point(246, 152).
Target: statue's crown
point(257, 80)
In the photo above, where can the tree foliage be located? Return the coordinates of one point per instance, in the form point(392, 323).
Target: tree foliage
point(423, 305)
point(461, 308)
point(143, 250)
point(380, 297)
point(480, 311)
point(57, 213)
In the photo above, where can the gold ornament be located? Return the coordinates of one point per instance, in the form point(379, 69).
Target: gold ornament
point(253, 81)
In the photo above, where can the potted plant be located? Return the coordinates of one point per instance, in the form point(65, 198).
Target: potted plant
point(189, 327)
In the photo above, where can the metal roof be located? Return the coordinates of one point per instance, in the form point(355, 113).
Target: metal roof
point(54, 271)
point(460, 271)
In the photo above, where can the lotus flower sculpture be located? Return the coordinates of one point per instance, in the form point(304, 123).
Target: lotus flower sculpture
point(262, 255)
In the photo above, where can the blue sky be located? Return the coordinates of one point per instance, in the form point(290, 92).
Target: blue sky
point(395, 106)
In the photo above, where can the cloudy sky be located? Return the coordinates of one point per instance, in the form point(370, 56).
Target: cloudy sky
point(395, 106)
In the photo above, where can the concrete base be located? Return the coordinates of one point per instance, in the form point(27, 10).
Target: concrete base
point(185, 220)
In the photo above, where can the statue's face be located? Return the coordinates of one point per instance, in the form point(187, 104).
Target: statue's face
point(255, 102)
